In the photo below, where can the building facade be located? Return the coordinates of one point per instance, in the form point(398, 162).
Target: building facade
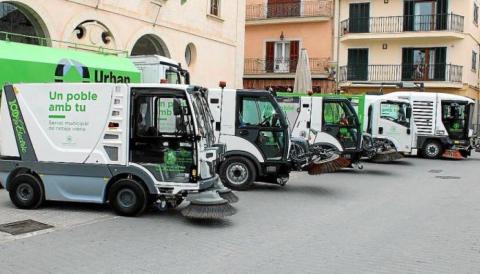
point(276, 31)
point(385, 42)
point(205, 36)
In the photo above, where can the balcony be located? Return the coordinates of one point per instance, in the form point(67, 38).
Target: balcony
point(256, 67)
point(289, 12)
point(405, 72)
point(440, 25)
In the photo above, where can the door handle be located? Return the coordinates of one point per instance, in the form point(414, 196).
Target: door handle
point(408, 131)
point(380, 130)
point(243, 132)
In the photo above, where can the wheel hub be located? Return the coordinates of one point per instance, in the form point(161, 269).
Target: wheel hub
point(432, 150)
point(237, 173)
point(25, 192)
point(126, 198)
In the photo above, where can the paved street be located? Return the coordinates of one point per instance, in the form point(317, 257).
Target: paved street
point(415, 216)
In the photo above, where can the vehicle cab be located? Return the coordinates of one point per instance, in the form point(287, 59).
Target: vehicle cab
point(391, 119)
point(254, 128)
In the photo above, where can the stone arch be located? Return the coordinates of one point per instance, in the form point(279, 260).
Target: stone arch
point(21, 19)
point(150, 44)
point(93, 19)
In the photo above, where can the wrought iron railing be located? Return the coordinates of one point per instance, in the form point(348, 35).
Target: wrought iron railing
point(283, 65)
point(404, 72)
point(397, 24)
point(300, 9)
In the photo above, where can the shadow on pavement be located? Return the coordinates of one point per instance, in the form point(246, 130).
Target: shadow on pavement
point(366, 171)
point(313, 189)
point(393, 163)
point(67, 206)
point(220, 223)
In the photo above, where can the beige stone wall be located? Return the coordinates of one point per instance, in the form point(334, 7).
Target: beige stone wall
point(219, 41)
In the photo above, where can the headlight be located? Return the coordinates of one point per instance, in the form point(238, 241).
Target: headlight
point(440, 132)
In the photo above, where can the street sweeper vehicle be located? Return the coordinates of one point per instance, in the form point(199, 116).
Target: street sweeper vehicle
point(256, 132)
point(443, 124)
point(129, 145)
point(326, 121)
point(386, 124)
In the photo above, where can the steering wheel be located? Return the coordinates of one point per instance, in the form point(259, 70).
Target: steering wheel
point(265, 122)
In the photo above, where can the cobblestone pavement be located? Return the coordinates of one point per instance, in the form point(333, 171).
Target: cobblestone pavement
point(415, 216)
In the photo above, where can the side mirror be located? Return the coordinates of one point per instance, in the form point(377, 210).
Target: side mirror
point(177, 107)
point(409, 112)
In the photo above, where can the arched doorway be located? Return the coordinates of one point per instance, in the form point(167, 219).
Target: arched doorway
point(20, 19)
point(150, 44)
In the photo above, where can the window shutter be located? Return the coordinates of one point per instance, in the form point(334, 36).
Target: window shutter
point(407, 64)
point(442, 14)
point(440, 63)
point(270, 56)
point(294, 52)
point(408, 13)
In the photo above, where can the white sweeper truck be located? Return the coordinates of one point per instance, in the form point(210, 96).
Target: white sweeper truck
point(129, 145)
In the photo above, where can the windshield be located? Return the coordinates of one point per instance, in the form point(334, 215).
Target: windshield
point(455, 117)
point(204, 118)
point(395, 112)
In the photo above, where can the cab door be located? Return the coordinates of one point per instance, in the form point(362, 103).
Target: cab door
point(340, 121)
point(261, 122)
point(394, 123)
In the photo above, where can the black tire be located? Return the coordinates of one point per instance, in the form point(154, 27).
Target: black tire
point(432, 149)
point(26, 191)
point(238, 173)
point(128, 198)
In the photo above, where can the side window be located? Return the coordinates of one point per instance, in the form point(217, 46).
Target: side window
point(249, 114)
point(333, 113)
point(156, 116)
point(258, 112)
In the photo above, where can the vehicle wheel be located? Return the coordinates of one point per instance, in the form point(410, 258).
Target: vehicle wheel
point(238, 173)
point(128, 198)
point(26, 191)
point(432, 149)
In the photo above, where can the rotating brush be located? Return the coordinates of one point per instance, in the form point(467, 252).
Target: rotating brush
point(386, 156)
point(328, 165)
point(207, 205)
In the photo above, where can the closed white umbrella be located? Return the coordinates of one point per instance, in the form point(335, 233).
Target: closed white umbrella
point(303, 77)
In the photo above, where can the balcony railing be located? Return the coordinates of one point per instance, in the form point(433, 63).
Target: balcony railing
point(263, 66)
point(300, 9)
point(404, 72)
point(397, 24)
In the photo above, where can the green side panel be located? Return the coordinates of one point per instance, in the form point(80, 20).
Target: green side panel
point(23, 63)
